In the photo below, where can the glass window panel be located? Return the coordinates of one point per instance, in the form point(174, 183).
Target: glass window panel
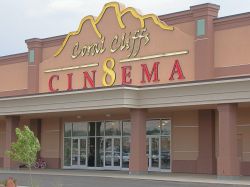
point(112, 128)
point(125, 152)
point(67, 129)
point(165, 153)
point(117, 151)
point(91, 128)
point(108, 152)
point(67, 151)
point(165, 127)
point(75, 152)
point(126, 128)
point(83, 151)
point(100, 129)
point(80, 128)
point(153, 127)
point(154, 152)
point(147, 149)
point(91, 152)
point(99, 151)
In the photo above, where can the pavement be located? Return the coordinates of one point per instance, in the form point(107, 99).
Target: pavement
point(116, 178)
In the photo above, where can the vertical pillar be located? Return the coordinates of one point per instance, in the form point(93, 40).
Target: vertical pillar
point(138, 159)
point(206, 162)
point(228, 162)
point(35, 58)
point(35, 126)
point(203, 16)
point(12, 123)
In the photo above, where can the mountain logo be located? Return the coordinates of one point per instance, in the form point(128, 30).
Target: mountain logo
point(120, 11)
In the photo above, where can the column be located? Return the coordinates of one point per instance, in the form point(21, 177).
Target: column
point(206, 162)
point(138, 159)
point(11, 123)
point(35, 126)
point(228, 164)
point(35, 58)
point(204, 15)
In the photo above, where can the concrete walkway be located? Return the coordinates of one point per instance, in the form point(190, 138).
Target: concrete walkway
point(173, 177)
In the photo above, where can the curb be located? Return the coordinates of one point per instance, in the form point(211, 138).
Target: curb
point(141, 177)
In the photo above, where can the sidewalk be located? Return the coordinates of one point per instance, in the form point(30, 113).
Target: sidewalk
point(174, 177)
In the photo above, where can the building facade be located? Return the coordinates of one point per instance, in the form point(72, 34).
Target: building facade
point(135, 92)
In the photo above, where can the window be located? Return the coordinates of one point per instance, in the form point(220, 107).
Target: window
point(80, 129)
point(153, 127)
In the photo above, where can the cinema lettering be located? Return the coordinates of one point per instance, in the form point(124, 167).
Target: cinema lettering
point(109, 50)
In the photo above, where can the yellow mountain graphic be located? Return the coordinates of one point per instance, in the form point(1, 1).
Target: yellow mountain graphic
point(119, 14)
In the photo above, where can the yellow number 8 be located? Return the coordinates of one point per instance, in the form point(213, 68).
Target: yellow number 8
point(108, 71)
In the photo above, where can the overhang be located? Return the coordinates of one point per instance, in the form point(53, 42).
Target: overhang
point(230, 90)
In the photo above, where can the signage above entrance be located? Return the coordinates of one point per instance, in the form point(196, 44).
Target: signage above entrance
point(119, 47)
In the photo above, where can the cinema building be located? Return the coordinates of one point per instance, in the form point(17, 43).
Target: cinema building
point(135, 92)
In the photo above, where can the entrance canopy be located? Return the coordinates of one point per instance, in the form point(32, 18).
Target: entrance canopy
point(208, 92)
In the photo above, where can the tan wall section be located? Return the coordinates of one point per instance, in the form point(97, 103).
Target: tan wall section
point(232, 47)
point(161, 41)
point(49, 52)
point(185, 135)
point(244, 133)
point(13, 76)
point(50, 138)
point(187, 28)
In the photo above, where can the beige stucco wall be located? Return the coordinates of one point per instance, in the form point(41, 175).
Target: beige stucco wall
point(243, 127)
point(232, 47)
point(185, 129)
point(244, 133)
point(161, 41)
point(13, 76)
point(49, 52)
point(50, 138)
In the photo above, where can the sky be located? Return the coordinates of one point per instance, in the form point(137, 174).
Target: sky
point(25, 19)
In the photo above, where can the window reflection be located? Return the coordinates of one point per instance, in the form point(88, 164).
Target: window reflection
point(165, 127)
point(67, 151)
point(125, 151)
point(112, 128)
point(99, 128)
point(67, 129)
point(126, 128)
point(80, 129)
point(153, 127)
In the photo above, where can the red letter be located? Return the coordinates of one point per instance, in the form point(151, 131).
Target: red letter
point(69, 81)
point(90, 80)
point(177, 69)
point(126, 75)
point(51, 83)
point(149, 75)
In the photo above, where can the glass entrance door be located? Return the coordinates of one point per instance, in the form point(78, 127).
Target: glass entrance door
point(153, 152)
point(112, 152)
point(158, 151)
point(79, 153)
